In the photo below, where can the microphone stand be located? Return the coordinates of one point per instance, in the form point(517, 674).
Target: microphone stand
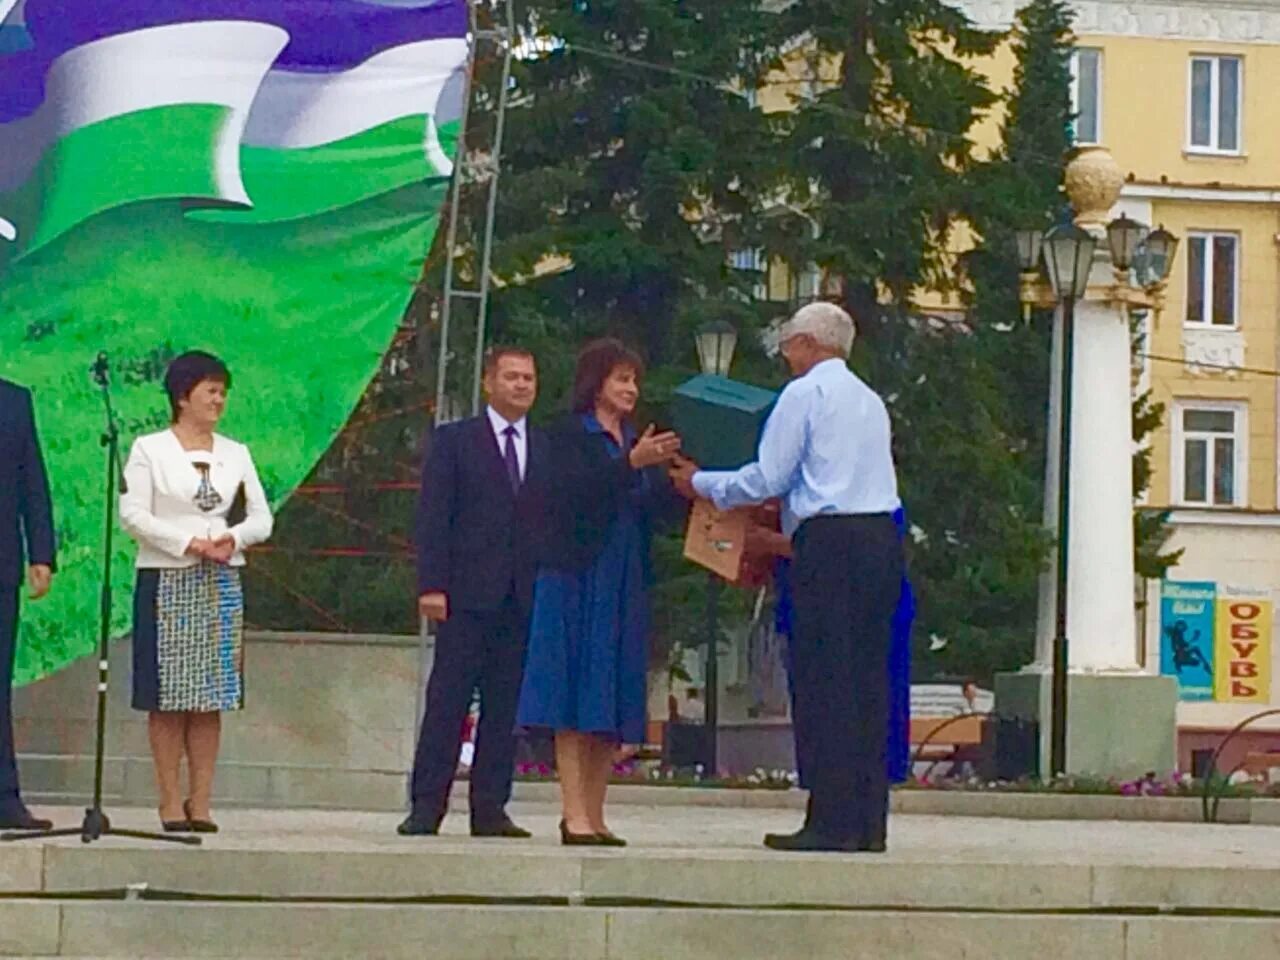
point(96, 823)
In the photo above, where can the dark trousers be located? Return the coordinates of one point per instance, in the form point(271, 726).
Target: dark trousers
point(474, 651)
point(846, 577)
point(8, 650)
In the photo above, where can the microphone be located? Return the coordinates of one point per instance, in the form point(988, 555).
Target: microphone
point(101, 369)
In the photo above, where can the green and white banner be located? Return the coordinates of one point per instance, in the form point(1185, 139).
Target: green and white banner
point(256, 178)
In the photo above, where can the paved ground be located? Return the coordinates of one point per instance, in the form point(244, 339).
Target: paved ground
point(734, 833)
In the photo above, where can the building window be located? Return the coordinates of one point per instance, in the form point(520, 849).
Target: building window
point(753, 262)
point(1215, 104)
point(1213, 279)
point(808, 284)
point(1209, 453)
point(1086, 94)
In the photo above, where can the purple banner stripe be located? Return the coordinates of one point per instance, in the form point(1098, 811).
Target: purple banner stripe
point(325, 35)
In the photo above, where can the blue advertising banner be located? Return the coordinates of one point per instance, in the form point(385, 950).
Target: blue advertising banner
point(1187, 637)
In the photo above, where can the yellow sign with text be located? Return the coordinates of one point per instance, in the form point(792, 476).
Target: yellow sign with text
point(1242, 654)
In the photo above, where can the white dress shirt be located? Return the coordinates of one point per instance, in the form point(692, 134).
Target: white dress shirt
point(500, 424)
point(825, 450)
point(158, 504)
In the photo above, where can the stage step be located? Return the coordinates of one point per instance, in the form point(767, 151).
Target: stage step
point(695, 883)
point(488, 932)
point(478, 871)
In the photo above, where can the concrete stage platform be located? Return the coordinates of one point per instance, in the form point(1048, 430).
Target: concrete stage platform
point(694, 885)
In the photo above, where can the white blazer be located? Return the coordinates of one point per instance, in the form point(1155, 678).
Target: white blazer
point(158, 504)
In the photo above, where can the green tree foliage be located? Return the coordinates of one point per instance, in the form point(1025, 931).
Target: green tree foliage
point(1020, 186)
point(636, 163)
point(1151, 527)
point(884, 161)
point(627, 167)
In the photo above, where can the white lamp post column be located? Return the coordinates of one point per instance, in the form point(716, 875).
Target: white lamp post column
point(1109, 717)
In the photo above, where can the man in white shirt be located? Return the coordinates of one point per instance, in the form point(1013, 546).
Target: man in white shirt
point(825, 451)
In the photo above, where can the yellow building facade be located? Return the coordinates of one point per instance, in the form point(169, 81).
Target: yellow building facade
point(1183, 94)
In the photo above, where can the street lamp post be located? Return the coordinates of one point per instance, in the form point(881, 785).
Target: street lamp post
point(715, 343)
point(1067, 254)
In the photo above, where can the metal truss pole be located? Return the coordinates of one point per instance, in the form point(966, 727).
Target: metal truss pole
point(504, 37)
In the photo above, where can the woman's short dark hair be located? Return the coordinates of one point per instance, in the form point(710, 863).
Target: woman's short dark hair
point(596, 361)
point(188, 371)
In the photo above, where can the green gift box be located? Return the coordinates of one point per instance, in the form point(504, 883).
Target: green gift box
point(719, 420)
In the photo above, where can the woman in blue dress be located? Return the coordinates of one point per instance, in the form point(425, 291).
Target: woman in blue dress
point(587, 664)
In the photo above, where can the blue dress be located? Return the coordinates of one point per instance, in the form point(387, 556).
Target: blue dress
point(897, 746)
point(587, 661)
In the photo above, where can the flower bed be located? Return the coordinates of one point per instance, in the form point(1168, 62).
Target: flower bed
point(641, 773)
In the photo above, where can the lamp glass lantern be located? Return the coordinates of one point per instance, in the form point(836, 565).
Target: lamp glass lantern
point(1161, 245)
point(1030, 243)
point(1124, 237)
point(1068, 254)
point(716, 342)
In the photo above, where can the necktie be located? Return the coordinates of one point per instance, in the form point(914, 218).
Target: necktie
point(512, 461)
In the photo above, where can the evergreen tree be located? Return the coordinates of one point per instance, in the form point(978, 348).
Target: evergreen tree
point(1151, 527)
point(883, 159)
point(634, 164)
point(878, 143)
point(1020, 187)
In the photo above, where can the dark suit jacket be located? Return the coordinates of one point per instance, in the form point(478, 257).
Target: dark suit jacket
point(477, 540)
point(26, 511)
point(588, 489)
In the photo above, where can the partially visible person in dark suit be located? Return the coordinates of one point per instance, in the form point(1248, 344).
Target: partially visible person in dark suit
point(589, 639)
point(26, 539)
point(479, 512)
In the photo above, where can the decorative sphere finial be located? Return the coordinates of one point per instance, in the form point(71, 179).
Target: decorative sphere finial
point(1093, 181)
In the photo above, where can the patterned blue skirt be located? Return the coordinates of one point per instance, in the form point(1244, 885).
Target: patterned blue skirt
point(188, 640)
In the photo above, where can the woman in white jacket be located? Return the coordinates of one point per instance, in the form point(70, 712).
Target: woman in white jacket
point(193, 502)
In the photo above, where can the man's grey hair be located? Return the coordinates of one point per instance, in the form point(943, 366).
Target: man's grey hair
point(826, 323)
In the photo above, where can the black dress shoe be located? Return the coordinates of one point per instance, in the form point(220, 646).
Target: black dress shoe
point(499, 828)
point(871, 842)
point(20, 818)
point(610, 839)
point(176, 826)
point(568, 839)
point(198, 826)
point(809, 840)
point(418, 825)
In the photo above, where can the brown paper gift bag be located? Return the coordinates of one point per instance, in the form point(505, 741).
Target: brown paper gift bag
point(716, 539)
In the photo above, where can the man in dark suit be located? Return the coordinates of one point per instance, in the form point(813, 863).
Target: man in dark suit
point(26, 536)
point(479, 513)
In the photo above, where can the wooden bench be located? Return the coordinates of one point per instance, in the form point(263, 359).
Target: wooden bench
point(947, 739)
point(1259, 763)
